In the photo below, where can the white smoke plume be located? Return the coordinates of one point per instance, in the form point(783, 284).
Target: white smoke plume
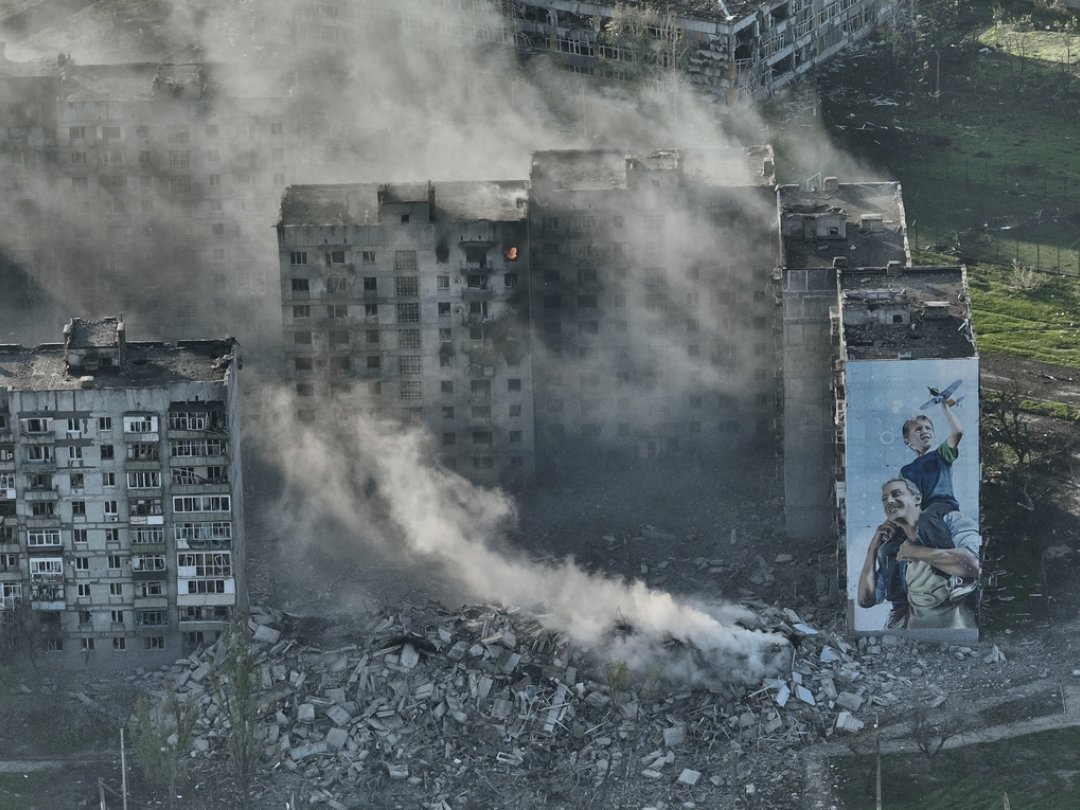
point(381, 484)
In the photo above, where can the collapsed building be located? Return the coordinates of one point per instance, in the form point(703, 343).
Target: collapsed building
point(736, 50)
point(121, 497)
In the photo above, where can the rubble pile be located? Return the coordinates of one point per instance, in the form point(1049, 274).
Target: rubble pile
point(436, 701)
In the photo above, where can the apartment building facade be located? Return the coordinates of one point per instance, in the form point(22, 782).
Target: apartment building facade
point(412, 300)
point(734, 49)
point(653, 312)
point(114, 168)
point(121, 497)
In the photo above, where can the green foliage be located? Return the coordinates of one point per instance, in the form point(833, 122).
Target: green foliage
point(236, 683)
point(161, 736)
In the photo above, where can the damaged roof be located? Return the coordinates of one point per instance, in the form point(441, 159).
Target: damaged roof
point(146, 365)
point(93, 334)
point(873, 213)
point(906, 313)
point(610, 169)
point(358, 203)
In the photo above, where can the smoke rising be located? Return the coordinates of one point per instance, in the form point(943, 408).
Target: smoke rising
point(382, 485)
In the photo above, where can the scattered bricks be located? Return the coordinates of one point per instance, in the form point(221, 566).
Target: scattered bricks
point(477, 651)
point(805, 695)
point(996, 656)
point(336, 694)
point(424, 691)
point(649, 773)
point(305, 712)
point(397, 771)
point(338, 715)
point(508, 661)
point(307, 750)
point(336, 738)
point(783, 695)
point(458, 651)
point(747, 719)
point(775, 723)
point(483, 688)
point(201, 744)
point(199, 675)
point(849, 700)
point(829, 688)
point(689, 777)
point(845, 721)
point(267, 634)
point(409, 656)
point(674, 736)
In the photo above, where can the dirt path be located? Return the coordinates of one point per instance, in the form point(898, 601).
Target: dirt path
point(1032, 378)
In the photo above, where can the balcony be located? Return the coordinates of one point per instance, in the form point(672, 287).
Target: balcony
point(148, 602)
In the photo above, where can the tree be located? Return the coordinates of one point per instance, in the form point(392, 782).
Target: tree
point(161, 736)
point(237, 684)
point(930, 735)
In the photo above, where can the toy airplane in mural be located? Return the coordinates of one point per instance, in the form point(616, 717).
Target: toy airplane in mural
point(943, 395)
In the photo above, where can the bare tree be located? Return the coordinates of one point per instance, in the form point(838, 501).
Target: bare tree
point(931, 732)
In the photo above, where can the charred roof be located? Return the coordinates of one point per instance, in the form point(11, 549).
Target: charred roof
point(146, 365)
point(360, 203)
point(842, 224)
point(906, 313)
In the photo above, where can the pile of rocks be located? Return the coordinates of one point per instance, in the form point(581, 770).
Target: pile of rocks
point(432, 699)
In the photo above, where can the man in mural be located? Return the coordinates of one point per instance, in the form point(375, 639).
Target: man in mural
point(929, 575)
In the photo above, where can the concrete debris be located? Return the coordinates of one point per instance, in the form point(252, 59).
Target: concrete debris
point(487, 690)
point(996, 656)
point(689, 777)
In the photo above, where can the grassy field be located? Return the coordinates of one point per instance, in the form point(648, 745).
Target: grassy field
point(1036, 770)
point(979, 118)
point(1043, 324)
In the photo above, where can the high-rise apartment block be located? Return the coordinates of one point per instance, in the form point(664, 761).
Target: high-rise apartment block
point(614, 301)
point(114, 168)
point(413, 299)
point(121, 502)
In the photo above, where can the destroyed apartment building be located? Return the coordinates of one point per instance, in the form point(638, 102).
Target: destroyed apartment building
point(115, 167)
point(121, 499)
point(734, 49)
point(615, 301)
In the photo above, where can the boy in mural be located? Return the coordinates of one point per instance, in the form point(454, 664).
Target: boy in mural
point(931, 473)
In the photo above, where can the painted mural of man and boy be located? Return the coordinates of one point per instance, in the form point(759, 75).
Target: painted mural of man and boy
point(923, 560)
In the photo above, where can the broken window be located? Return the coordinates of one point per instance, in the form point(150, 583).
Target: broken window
point(367, 256)
point(302, 338)
point(408, 313)
point(449, 439)
point(335, 257)
point(370, 284)
point(337, 285)
point(301, 311)
point(444, 309)
point(404, 261)
point(407, 286)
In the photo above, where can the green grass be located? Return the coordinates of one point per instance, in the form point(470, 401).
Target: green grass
point(986, 141)
point(1036, 770)
point(1043, 324)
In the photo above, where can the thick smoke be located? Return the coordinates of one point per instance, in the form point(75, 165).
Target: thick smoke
point(381, 484)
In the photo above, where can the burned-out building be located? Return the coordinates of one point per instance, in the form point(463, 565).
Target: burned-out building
point(905, 388)
point(412, 298)
point(738, 50)
point(118, 168)
point(614, 302)
point(121, 499)
point(823, 230)
point(652, 305)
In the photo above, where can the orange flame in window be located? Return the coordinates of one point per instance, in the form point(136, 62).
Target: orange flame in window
point(511, 254)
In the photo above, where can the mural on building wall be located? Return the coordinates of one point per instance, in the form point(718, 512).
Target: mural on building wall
point(912, 494)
